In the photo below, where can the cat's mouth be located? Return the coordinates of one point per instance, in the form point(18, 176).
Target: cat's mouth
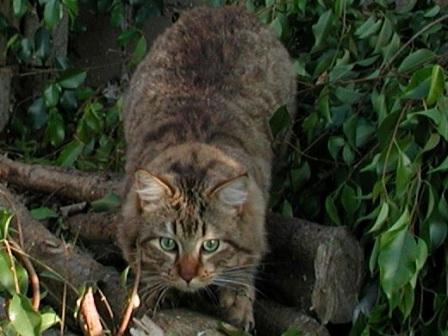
point(192, 286)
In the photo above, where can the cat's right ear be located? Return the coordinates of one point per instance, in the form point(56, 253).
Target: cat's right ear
point(151, 190)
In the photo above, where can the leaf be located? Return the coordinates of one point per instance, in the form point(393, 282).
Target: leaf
point(280, 121)
point(277, 26)
point(139, 51)
point(403, 174)
point(419, 84)
point(335, 143)
point(381, 219)
point(364, 130)
point(350, 200)
point(7, 282)
point(19, 7)
point(348, 155)
point(51, 95)
point(368, 28)
point(52, 13)
point(43, 213)
point(68, 100)
point(55, 132)
point(416, 59)
point(49, 319)
point(38, 113)
point(71, 79)
point(322, 28)
point(396, 260)
point(42, 43)
point(72, 6)
point(292, 331)
point(5, 221)
point(108, 202)
point(70, 153)
point(127, 36)
point(331, 210)
point(443, 167)
point(22, 316)
point(437, 85)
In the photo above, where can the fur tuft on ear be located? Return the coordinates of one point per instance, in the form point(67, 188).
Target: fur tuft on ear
point(233, 192)
point(151, 190)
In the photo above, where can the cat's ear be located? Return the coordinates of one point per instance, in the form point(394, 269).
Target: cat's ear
point(152, 191)
point(233, 192)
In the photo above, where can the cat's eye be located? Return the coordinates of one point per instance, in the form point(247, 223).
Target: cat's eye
point(210, 245)
point(167, 244)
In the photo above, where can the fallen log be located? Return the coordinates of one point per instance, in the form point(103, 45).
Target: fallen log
point(314, 267)
point(68, 183)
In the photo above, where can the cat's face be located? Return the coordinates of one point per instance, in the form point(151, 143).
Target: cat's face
point(194, 235)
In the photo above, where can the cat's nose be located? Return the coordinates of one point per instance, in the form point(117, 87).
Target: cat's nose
point(187, 268)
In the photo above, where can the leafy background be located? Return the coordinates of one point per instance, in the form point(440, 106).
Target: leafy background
point(369, 145)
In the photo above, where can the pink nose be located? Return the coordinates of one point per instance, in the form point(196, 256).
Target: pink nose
point(187, 268)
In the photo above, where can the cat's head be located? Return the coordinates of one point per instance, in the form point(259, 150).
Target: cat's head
point(193, 232)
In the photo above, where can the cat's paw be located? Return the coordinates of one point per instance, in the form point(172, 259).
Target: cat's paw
point(238, 309)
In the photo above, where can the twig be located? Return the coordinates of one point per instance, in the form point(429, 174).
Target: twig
point(131, 305)
point(412, 39)
point(34, 279)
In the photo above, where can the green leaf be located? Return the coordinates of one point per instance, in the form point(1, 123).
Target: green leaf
point(43, 213)
point(108, 202)
point(139, 51)
point(42, 43)
point(403, 175)
point(381, 219)
point(127, 36)
point(52, 13)
point(280, 121)
point(348, 155)
point(71, 79)
point(364, 130)
point(55, 132)
point(322, 28)
point(437, 85)
point(350, 200)
point(419, 84)
point(72, 6)
point(335, 143)
point(292, 331)
point(49, 319)
point(7, 282)
point(443, 167)
point(19, 7)
point(70, 153)
point(368, 28)
point(277, 26)
point(22, 316)
point(396, 260)
point(332, 212)
point(68, 100)
point(416, 59)
point(5, 221)
point(38, 113)
point(51, 95)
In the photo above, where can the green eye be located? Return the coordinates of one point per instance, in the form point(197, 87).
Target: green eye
point(167, 244)
point(210, 245)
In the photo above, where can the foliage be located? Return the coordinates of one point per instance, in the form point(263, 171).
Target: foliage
point(369, 148)
point(22, 319)
point(370, 145)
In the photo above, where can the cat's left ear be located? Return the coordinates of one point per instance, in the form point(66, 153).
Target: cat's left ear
point(152, 190)
point(233, 192)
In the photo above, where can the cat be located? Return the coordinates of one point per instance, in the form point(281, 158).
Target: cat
point(196, 121)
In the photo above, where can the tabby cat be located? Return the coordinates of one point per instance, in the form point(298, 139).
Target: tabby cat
point(199, 156)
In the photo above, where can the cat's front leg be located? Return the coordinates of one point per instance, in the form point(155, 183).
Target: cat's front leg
point(237, 306)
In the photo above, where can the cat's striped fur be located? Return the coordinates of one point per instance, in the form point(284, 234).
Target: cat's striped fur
point(199, 154)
